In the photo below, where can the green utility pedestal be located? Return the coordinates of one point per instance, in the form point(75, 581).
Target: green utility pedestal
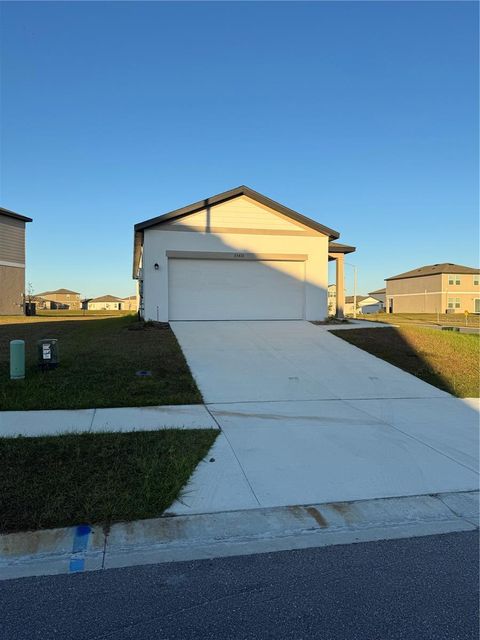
point(17, 359)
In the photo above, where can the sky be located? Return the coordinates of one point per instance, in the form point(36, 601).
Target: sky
point(362, 116)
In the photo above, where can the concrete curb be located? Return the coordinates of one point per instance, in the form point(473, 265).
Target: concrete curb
point(170, 539)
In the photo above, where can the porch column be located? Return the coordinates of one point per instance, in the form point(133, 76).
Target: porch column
point(340, 284)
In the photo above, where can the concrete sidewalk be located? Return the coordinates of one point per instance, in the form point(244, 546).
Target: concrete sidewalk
point(54, 422)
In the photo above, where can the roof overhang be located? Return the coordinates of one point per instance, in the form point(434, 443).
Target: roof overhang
point(336, 247)
point(12, 214)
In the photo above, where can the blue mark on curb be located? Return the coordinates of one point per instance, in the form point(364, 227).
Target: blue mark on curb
point(76, 565)
point(80, 544)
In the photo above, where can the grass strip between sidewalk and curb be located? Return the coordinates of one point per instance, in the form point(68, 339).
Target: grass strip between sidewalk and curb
point(449, 361)
point(95, 478)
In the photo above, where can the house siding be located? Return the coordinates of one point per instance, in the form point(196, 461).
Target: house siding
point(12, 289)
point(239, 213)
point(466, 291)
point(12, 241)
point(12, 265)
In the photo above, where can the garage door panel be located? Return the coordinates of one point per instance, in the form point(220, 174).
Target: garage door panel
point(236, 290)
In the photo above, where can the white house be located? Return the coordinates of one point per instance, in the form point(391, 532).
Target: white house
point(332, 299)
point(379, 294)
point(365, 304)
point(105, 303)
point(236, 256)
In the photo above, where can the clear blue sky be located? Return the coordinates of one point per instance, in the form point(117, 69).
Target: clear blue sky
point(360, 115)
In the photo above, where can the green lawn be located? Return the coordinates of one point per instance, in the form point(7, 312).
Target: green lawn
point(443, 319)
point(446, 360)
point(99, 358)
point(95, 478)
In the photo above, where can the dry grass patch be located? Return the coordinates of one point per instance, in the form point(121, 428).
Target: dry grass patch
point(442, 319)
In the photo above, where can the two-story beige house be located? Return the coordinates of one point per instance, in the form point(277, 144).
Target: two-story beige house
point(60, 299)
point(435, 288)
point(130, 303)
point(12, 262)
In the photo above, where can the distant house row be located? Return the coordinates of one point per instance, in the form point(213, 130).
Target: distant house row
point(436, 288)
point(68, 299)
point(365, 304)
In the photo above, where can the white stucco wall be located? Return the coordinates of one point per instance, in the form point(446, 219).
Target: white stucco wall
point(157, 242)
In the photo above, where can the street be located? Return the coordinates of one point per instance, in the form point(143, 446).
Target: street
point(418, 588)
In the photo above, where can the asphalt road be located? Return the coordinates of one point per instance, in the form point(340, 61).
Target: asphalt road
point(416, 589)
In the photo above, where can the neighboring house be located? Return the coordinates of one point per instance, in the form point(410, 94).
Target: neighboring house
point(130, 303)
point(12, 262)
point(332, 299)
point(236, 256)
point(60, 299)
point(40, 303)
point(105, 303)
point(379, 294)
point(435, 288)
point(365, 304)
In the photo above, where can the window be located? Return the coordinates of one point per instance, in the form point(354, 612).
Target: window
point(454, 303)
point(476, 280)
point(453, 279)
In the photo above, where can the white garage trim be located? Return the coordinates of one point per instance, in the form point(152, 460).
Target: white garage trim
point(232, 255)
point(225, 288)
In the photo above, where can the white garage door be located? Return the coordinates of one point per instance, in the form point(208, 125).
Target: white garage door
point(236, 289)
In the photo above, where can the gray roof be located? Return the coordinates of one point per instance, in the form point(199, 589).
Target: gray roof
point(12, 214)
point(223, 197)
point(384, 290)
point(435, 269)
point(107, 298)
point(337, 247)
point(350, 299)
point(61, 291)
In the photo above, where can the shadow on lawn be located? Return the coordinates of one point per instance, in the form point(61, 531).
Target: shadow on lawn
point(448, 361)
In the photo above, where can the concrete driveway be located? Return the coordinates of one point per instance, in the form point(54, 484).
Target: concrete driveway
point(308, 418)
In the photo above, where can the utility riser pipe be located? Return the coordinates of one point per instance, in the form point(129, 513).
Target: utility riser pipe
point(17, 360)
